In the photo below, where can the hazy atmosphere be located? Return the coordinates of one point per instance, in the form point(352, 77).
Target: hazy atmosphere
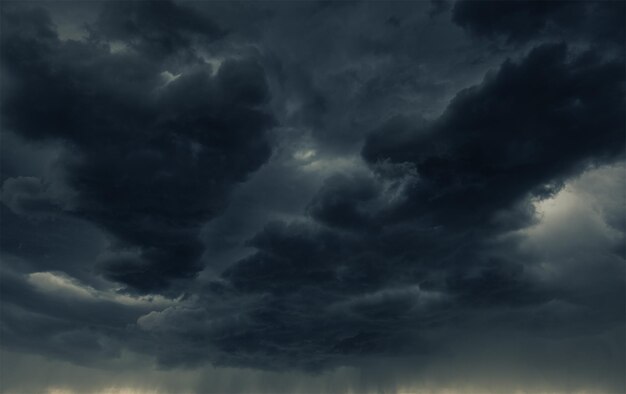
point(215, 197)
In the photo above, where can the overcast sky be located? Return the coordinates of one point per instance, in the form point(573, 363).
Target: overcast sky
point(312, 197)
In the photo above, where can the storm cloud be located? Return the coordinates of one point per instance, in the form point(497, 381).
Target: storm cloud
point(518, 21)
point(313, 196)
point(152, 153)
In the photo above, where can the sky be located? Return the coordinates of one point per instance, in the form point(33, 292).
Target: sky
point(312, 197)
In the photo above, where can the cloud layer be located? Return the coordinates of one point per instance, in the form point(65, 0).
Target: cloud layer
point(150, 156)
point(300, 193)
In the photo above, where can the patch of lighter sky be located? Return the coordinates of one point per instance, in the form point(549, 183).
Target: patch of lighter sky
point(63, 285)
point(578, 218)
point(168, 77)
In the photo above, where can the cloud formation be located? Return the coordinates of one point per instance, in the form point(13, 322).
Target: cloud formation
point(466, 180)
point(313, 197)
point(520, 21)
point(149, 159)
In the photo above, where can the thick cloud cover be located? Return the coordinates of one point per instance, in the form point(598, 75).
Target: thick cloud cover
point(522, 131)
point(521, 20)
point(313, 196)
point(152, 153)
point(424, 238)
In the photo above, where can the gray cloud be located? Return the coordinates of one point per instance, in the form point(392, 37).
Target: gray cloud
point(151, 159)
point(312, 197)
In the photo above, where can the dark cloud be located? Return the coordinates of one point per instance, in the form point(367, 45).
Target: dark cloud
point(438, 7)
point(333, 296)
point(431, 217)
point(333, 79)
point(48, 313)
point(28, 196)
point(417, 192)
point(522, 131)
point(158, 28)
point(342, 201)
point(152, 158)
point(520, 20)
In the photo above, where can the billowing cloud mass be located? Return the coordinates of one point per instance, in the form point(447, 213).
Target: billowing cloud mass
point(308, 197)
point(519, 21)
point(151, 153)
